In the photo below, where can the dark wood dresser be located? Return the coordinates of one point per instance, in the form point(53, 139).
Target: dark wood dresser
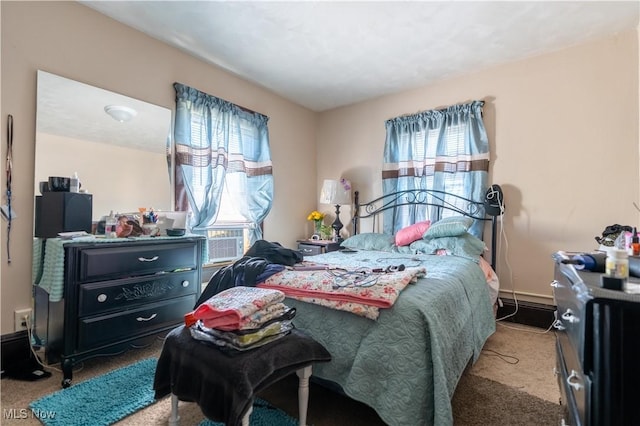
point(597, 347)
point(116, 295)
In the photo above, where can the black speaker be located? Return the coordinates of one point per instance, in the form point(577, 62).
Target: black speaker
point(494, 201)
point(62, 212)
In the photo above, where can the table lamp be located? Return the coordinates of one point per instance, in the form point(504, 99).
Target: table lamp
point(336, 192)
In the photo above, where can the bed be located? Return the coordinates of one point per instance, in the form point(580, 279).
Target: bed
point(405, 360)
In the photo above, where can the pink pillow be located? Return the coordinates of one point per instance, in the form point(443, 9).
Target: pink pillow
point(411, 233)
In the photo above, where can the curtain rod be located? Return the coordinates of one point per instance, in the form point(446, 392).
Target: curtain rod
point(245, 109)
point(440, 109)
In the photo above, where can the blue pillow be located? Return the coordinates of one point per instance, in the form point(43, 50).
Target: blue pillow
point(370, 241)
point(465, 245)
point(451, 226)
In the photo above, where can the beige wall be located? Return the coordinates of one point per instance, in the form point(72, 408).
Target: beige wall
point(563, 131)
point(73, 41)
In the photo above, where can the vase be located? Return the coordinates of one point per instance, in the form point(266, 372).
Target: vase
point(317, 227)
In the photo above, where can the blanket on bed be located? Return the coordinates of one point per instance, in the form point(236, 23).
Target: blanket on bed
point(345, 289)
point(405, 365)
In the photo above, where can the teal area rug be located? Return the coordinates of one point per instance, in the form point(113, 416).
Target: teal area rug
point(263, 414)
point(102, 400)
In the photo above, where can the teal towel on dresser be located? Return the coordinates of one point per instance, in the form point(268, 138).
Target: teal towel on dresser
point(52, 279)
point(36, 260)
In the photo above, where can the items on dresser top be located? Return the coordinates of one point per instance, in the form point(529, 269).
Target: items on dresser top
point(59, 184)
point(175, 232)
point(591, 261)
point(596, 261)
point(62, 212)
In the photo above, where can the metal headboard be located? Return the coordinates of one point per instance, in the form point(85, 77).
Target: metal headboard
point(479, 210)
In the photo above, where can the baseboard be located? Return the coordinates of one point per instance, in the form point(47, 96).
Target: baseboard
point(528, 313)
point(14, 348)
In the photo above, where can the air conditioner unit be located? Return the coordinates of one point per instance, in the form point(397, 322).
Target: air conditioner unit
point(226, 244)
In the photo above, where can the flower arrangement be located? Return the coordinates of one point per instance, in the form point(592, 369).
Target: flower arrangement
point(316, 216)
point(319, 228)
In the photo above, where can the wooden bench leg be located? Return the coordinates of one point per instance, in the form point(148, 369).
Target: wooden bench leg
point(303, 393)
point(245, 418)
point(174, 419)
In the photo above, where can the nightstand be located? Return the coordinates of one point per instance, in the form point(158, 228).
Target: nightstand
point(313, 247)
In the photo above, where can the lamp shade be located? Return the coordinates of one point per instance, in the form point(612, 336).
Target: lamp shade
point(337, 192)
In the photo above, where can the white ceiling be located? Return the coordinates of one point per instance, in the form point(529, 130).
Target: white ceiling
point(323, 54)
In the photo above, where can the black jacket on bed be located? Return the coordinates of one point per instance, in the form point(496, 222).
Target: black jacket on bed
point(274, 253)
point(262, 260)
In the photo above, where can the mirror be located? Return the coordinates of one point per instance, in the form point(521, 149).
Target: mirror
point(124, 164)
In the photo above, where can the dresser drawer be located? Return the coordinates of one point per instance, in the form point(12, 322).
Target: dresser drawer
point(570, 295)
point(105, 329)
point(309, 250)
point(110, 262)
point(575, 386)
point(105, 296)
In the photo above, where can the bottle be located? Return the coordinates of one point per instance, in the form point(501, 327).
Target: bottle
point(617, 264)
point(74, 184)
point(110, 225)
point(635, 243)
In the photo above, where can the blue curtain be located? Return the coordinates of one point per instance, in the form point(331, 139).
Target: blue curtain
point(444, 150)
point(220, 143)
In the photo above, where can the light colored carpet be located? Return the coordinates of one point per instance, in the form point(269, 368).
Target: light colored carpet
point(532, 373)
point(534, 350)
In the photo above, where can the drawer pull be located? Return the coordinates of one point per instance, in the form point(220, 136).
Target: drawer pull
point(102, 297)
point(185, 283)
point(569, 316)
point(555, 284)
point(557, 324)
point(574, 380)
point(140, 319)
point(148, 259)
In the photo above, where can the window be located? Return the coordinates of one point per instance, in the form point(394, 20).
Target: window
point(440, 150)
point(223, 164)
point(228, 214)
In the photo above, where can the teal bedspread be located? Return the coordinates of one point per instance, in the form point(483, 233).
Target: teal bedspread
point(405, 365)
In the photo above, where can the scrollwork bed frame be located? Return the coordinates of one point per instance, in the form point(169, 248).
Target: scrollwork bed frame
point(478, 210)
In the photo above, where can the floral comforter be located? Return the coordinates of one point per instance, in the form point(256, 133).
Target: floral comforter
point(356, 289)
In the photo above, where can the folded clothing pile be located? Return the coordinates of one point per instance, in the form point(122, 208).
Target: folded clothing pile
point(241, 318)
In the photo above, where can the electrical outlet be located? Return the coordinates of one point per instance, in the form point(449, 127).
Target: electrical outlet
point(19, 322)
